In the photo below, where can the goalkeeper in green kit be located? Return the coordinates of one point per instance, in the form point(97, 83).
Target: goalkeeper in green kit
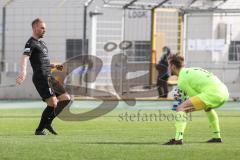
point(205, 91)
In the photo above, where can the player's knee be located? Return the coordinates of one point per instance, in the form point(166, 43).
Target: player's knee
point(64, 97)
point(52, 104)
point(52, 101)
point(68, 97)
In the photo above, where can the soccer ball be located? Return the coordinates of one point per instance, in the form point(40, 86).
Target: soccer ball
point(176, 93)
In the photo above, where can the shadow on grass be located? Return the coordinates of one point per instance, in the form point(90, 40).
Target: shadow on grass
point(124, 143)
point(200, 142)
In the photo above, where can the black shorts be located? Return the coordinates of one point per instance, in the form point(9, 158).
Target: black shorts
point(48, 86)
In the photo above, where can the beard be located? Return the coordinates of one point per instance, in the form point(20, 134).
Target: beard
point(41, 35)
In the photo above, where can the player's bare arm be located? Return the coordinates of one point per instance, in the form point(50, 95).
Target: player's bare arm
point(23, 69)
point(186, 106)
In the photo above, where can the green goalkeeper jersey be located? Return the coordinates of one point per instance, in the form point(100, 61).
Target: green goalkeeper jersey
point(203, 84)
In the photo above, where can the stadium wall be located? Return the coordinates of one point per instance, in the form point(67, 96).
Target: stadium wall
point(213, 45)
point(65, 22)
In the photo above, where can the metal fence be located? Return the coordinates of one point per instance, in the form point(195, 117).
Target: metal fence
point(64, 36)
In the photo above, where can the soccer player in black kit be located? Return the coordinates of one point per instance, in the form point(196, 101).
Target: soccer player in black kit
point(36, 51)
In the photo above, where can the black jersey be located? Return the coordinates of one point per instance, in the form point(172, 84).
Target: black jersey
point(38, 56)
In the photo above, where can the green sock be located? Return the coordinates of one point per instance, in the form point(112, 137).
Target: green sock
point(180, 124)
point(214, 123)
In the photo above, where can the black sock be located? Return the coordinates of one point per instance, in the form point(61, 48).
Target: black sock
point(60, 106)
point(56, 111)
point(46, 118)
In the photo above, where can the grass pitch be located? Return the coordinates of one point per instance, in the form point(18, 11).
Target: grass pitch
point(120, 134)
